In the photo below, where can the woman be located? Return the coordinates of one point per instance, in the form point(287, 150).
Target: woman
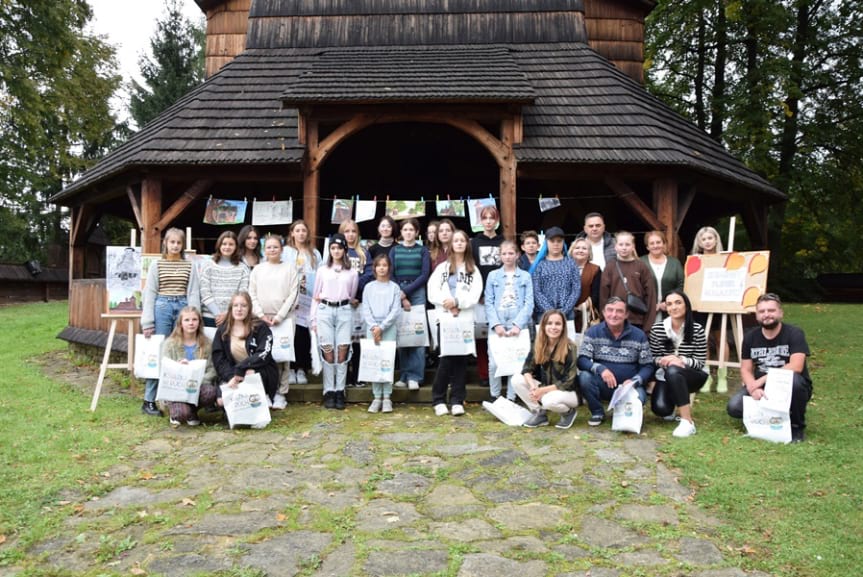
point(591, 275)
point(548, 380)
point(306, 258)
point(386, 237)
point(250, 245)
point(708, 241)
point(242, 346)
point(678, 346)
point(221, 277)
point(172, 284)
point(667, 270)
point(627, 275)
point(361, 263)
point(188, 343)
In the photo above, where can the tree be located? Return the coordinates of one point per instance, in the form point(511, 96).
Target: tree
point(175, 66)
point(55, 119)
point(781, 86)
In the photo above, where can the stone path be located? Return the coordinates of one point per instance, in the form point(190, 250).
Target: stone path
point(321, 493)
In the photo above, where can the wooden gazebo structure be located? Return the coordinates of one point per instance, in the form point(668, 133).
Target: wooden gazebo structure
point(318, 99)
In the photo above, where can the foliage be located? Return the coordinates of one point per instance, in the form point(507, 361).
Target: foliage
point(175, 66)
point(55, 85)
point(780, 84)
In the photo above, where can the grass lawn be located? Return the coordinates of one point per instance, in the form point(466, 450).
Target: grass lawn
point(796, 510)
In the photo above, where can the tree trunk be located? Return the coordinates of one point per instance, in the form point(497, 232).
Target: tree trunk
point(717, 101)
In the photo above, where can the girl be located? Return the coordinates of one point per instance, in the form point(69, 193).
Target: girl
point(386, 238)
point(221, 277)
point(331, 318)
point(485, 248)
point(529, 249)
point(306, 259)
point(440, 251)
point(667, 270)
point(508, 307)
point(556, 282)
point(678, 346)
point(454, 288)
point(273, 287)
point(708, 241)
point(188, 343)
point(581, 253)
point(411, 268)
point(249, 241)
point(242, 346)
point(172, 283)
point(627, 274)
point(381, 307)
point(361, 263)
point(548, 379)
point(431, 234)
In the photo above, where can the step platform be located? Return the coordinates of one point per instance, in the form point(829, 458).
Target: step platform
point(313, 393)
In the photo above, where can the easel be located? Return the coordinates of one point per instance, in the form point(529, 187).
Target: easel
point(130, 350)
point(736, 322)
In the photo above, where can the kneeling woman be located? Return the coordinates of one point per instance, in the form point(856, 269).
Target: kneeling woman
point(188, 343)
point(679, 349)
point(243, 346)
point(548, 380)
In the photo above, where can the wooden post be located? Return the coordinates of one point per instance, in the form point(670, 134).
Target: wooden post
point(508, 180)
point(151, 213)
point(311, 180)
point(665, 206)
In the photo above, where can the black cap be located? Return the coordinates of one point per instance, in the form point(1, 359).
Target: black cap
point(554, 232)
point(339, 239)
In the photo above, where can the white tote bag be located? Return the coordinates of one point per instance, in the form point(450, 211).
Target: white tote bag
point(769, 417)
point(148, 353)
point(507, 412)
point(377, 361)
point(283, 342)
point(247, 404)
point(180, 382)
point(509, 353)
point(411, 328)
point(456, 336)
point(303, 309)
point(480, 322)
point(628, 412)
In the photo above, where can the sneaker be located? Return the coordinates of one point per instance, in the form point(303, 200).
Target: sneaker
point(340, 400)
point(400, 385)
point(279, 402)
point(387, 406)
point(797, 435)
point(538, 419)
point(457, 410)
point(269, 402)
point(359, 384)
point(302, 379)
point(292, 377)
point(595, 420)
point(440, 410)
point(375, 406)
point(174, 423)
point(413, 385)
point(684, 429)
point(567, 419)
point(193, 422)
point(150, 408)
point(329, 400)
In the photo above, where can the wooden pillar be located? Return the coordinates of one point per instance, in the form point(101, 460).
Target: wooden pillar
point(151, 213)
point(508, 180)
point(311, 179)
point(665, 206)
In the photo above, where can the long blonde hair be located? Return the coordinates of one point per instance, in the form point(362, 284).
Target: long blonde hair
point(469, 264)
point(177, 334)
point(696, 245)
point(308, 247)
point(543, 349)
point(174, 231)
point(361, 254)
point(248, 323)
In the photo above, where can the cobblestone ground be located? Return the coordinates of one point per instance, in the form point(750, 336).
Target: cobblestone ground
point(326, 493)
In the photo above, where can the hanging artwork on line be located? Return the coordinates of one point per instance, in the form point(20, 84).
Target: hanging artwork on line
point(221, 212)
point(475, 207)
point(402, 209)
point(266, 213)
point(342, 210)
point(450, 208)
point(546, 204)
point(365, 210)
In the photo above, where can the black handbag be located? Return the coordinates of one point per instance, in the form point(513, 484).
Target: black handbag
point(633, 302)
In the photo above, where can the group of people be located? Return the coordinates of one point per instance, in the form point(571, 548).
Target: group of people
point(644, 334)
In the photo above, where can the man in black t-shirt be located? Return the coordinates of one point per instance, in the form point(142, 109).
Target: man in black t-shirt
point(774, 345)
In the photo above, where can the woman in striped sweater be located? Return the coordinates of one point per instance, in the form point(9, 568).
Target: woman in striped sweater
point(679, 350)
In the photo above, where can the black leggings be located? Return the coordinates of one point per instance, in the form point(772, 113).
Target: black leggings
point(450, 371)
point(675, 389)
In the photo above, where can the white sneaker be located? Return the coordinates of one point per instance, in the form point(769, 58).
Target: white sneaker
point(440, 410)
point(400, 384)
point(684, 429)
point(301, 377)
point(457, 410)
point(280, 402)
point(387, 406)
point(413, 385)
point(375, 406)
point(292, 377)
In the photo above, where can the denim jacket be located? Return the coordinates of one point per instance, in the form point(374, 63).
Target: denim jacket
point(523, 311)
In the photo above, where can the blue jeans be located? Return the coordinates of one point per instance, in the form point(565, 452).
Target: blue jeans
point(594, 390)
point(412, 360)
point(167, 310)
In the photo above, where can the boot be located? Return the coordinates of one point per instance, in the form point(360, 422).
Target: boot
point(722, 380)
point(150, 408)
point(705, 388)
point(340, 400)
point(329, 400)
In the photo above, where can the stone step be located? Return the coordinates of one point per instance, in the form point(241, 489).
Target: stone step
point(311, 393)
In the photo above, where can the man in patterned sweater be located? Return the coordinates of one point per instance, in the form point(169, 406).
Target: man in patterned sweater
point(613, 353)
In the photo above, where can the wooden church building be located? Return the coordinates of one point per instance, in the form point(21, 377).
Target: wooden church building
point(314, 100)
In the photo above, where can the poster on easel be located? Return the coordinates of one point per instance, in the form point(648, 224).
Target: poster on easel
point(123, 279)
point(727, 282)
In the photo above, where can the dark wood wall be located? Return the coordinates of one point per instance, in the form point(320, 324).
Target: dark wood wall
point(615, 29)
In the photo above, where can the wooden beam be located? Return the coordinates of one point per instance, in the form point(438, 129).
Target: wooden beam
point(83, 221)
point(188, 197)
point(136, 207)
point(508, 181)
point(311, 181)
point(665, 205)
point(628, 196)
point(151, 213)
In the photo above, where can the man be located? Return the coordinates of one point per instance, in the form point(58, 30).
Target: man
point(613, 353)
point(774, 345)
point(601, 242)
